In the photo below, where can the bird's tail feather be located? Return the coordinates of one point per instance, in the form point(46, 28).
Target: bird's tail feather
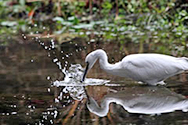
point(186, 62)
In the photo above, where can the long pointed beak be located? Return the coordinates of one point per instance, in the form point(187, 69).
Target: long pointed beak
point(86, 94)
point(85, 72)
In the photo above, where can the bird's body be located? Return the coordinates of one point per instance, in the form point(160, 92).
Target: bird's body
point(148, 68)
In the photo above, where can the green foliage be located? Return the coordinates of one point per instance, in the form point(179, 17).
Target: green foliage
point(107, 6)
point(152, 22)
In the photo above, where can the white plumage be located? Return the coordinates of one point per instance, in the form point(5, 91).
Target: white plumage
point(142, 100)
point(148, 68)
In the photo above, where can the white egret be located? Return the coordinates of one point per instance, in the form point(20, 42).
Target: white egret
point(148, 68)
point(142, 100)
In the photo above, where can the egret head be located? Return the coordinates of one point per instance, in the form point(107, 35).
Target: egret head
point(90, 60)
point(93, 107)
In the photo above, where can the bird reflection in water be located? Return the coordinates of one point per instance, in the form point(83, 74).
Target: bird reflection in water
point(142, 100)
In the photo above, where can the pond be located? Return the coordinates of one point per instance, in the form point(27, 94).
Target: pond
point(40, 84)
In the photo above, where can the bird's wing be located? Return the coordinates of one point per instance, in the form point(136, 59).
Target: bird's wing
point(148, 67)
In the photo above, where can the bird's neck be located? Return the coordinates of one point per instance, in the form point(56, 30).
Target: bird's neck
point(101, 110)
point(109, 68)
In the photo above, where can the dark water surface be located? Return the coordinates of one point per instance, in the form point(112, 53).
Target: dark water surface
point(28, 94)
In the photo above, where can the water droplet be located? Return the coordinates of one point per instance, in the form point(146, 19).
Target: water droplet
point(56, 100)
point(55, 114)
point(55, 60)
point(52, 44)
point(59, 64)
point(48, 54)
point(51, 121)
point(48, 78)
point(48, 89)
point(14, 113)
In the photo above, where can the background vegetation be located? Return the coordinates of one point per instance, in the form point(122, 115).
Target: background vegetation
point(145, 21)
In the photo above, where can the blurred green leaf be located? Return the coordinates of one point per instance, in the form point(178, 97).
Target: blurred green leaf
point(22, 2)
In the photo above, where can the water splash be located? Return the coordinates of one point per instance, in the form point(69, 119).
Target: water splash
point(74, 75)
point(72, 82)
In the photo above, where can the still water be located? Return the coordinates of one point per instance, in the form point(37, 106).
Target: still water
point(40, 84)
